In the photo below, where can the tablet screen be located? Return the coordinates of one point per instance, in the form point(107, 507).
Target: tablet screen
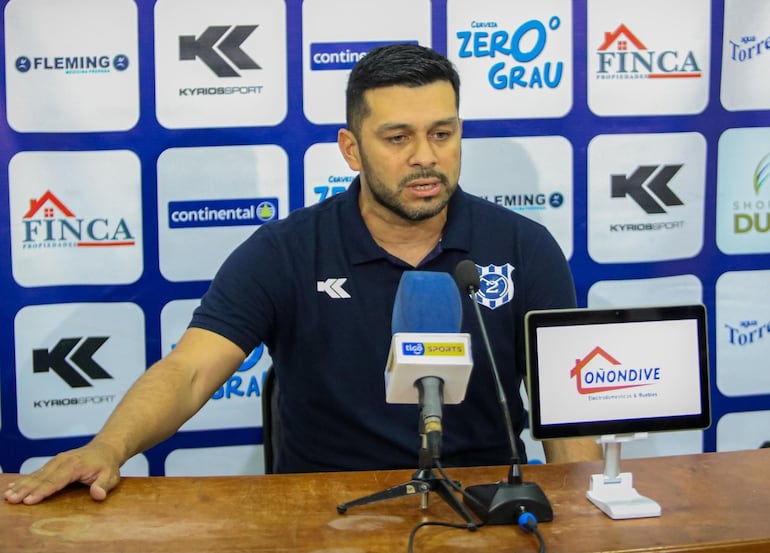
point(594, 372)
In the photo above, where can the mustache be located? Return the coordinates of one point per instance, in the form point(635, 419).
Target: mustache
point(424, 174)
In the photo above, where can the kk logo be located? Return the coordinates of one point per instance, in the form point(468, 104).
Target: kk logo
point(69, 355)
point(648, 188)
point(216, 46)
point(496, 285)
point(333, 287)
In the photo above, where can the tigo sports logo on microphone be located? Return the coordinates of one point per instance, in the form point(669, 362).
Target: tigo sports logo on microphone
point(439, 349)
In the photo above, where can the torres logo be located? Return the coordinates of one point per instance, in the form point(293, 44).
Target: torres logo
point(49, 223)
point(601, 372)
point(622, 55)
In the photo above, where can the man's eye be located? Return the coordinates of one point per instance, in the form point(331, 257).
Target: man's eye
point(397, 139)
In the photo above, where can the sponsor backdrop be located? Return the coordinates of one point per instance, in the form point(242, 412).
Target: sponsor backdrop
point(143, 140)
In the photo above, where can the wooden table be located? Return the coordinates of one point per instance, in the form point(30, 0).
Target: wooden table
point(712, 502)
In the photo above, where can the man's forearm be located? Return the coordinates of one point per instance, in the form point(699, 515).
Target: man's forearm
point(153, 409)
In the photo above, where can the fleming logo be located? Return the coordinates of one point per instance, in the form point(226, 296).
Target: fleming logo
point(593, 374)
point(623, 56)
point(50, 224)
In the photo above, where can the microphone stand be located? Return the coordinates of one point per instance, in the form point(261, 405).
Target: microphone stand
point(504, 502)
point(423, 481)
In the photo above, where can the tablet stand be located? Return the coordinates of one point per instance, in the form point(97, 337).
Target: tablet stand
point(613, 492)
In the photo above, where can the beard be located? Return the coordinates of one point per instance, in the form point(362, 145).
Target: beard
point(390, 199)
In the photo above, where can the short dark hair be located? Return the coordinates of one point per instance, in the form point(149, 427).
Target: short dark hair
point(399, 64)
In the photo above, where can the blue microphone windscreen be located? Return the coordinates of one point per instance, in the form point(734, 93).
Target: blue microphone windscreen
point(426, 301)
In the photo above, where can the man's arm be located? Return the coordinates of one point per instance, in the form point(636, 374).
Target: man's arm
point(159, 402)
point(571, 450)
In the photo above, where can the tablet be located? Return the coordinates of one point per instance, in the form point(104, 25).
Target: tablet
point(596, 372)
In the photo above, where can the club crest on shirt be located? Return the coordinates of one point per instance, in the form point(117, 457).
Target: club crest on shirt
point(496, 285)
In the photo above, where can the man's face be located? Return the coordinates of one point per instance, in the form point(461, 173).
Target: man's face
point(408, 148)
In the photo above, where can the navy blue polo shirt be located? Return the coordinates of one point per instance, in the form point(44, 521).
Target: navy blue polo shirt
point(318, 291)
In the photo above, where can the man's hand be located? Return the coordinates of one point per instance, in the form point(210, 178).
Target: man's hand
point(96, 465)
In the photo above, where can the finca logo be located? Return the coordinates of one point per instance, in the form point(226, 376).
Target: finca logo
point(754, 214)
point(49, 223)
point(524, 46)
point(600, 372)
point(73, 65)
point(623, 56)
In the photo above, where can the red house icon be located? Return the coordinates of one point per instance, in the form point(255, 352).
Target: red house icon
point(582, 364)
point(622, 36)
point(49, 204)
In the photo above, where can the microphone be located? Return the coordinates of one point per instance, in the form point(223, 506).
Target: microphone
point(503, 502)
point(429, 362)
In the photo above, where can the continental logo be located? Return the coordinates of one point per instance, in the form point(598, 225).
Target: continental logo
point(434, 349)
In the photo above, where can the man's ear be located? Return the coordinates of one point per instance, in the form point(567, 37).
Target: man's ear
point(348, 145)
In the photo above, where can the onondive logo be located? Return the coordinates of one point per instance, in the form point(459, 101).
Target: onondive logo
point(496, 285)
point(49, 223)
point(600, 372)
point(520, 52)
point(622, 55)
point(222, 213)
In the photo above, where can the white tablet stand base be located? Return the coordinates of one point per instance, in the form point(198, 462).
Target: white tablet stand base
point(613, 492)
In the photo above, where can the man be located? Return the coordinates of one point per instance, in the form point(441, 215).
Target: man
point(329, 350)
